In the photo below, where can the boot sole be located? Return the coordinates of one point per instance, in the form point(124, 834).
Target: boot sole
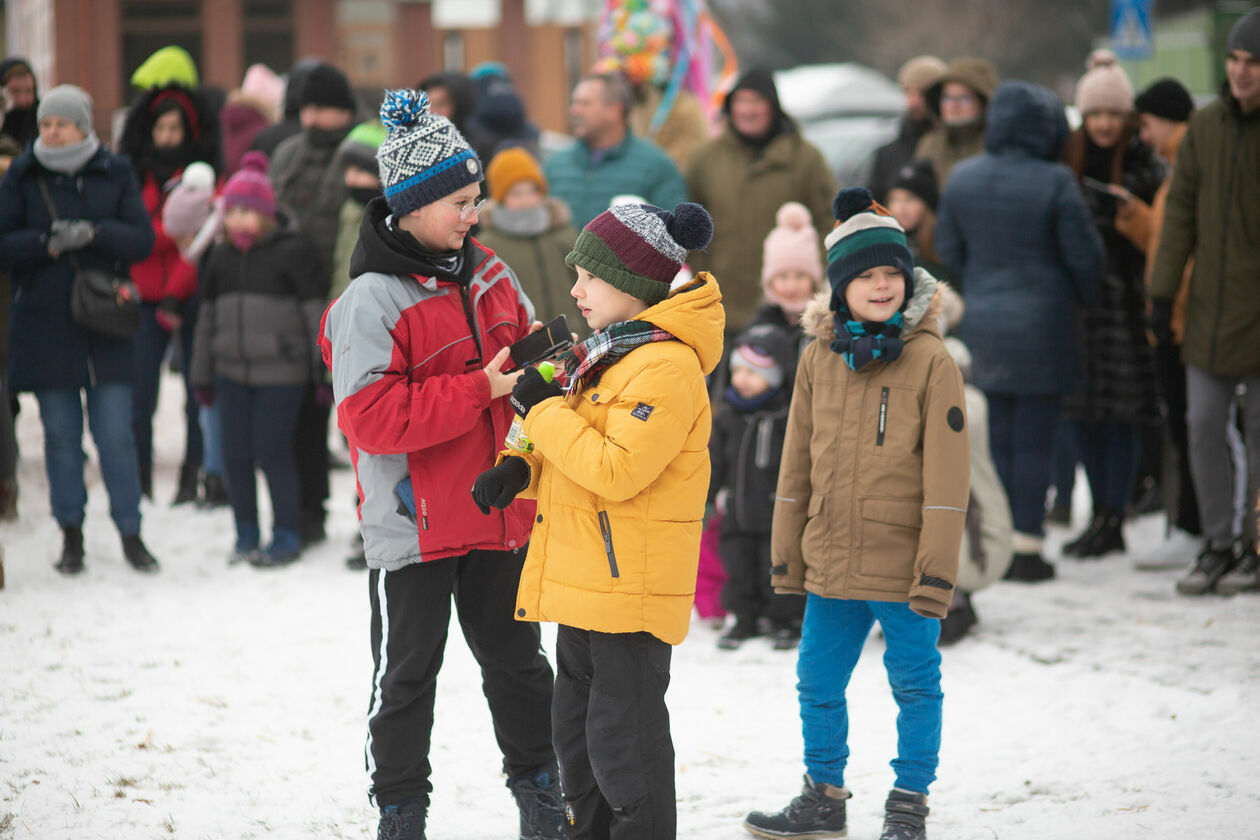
point(777, 835)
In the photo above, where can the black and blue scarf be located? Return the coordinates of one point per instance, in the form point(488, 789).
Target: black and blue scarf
point(860, 342)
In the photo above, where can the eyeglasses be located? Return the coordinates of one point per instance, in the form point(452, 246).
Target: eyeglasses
point(466, 210)
point(960, 99)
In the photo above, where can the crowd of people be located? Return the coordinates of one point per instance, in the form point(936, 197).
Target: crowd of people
point(770, 403)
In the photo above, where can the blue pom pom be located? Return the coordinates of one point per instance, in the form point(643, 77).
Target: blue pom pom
point(851, 201)
point(691, 226)
point(403, 108)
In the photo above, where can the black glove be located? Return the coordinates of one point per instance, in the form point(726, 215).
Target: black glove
point(70, 235)
point(530, 390)
point(498, 486)
point(1161, 321)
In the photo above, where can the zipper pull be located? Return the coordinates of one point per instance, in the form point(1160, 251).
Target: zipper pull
point(883, 416)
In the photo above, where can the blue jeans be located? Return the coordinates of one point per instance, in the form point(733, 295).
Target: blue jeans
point(1021, 431)
point(1110, 454)
point(831, 642)
point(151, 344)
point(109, 418)
point(211, 440)
point(258, 423)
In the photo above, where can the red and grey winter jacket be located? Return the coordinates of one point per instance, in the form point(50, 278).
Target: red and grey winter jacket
point(164, 273)
point(406, 344)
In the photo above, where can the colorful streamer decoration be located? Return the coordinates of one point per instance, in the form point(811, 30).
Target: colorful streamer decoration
point(672, 44)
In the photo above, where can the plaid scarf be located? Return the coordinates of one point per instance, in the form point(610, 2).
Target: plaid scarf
point(860, 342)
point(586, 362)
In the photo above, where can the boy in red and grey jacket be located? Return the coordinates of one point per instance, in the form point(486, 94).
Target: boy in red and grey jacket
point(416, 345)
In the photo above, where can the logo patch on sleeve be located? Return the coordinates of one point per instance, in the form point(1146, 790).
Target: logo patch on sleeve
point(954, 417)
point(642, 411)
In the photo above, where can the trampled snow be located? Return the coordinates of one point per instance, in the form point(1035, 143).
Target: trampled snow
point(211, 701)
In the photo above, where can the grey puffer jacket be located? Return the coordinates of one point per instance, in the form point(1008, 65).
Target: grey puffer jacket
point(260, 309)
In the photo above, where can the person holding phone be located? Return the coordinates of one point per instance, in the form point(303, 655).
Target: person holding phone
point(1120, 398)
point(418, 344)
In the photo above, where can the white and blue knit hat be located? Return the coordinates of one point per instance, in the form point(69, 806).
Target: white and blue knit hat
point(423, 158)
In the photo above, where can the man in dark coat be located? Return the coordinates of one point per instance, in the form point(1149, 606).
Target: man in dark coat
point(21, 101)
point(915, 77)
point(1212, 214)
point(308, 180)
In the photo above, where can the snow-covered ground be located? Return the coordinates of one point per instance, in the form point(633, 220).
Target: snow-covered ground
point(211, 701)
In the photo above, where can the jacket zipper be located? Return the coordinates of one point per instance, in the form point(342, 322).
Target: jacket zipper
point(91, 358)
point(883, 416)
point(240, 305)
point(471, 317)
point(606, 529)
point(1220, 289)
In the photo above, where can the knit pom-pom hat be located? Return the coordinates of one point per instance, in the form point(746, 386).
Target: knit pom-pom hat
point(639, 248)
point(792, 245)
point(865, 236)
point(188, 205)
point(250, 187)
point(423, 157)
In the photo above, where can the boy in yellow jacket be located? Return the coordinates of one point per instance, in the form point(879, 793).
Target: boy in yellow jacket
point(869, 513)
point(620, 469)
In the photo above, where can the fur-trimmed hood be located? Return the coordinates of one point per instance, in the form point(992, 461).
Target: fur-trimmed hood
point(921, 315)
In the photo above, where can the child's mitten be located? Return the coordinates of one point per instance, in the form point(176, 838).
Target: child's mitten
point(530, 390)
point(498, 486)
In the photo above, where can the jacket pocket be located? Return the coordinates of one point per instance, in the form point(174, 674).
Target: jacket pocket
point(605, 530)
point(890, 539)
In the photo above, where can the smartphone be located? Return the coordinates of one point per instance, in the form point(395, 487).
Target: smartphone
point(554, 338)
point(1097, 186)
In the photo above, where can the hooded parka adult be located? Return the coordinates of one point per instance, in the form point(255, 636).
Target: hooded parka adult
point(948, 145)
point(621, 470)
point(47, 349)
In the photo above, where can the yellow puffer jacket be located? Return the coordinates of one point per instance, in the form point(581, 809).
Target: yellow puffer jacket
point(621, 470)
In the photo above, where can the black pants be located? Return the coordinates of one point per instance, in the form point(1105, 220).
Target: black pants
point(310, 451)
point(1180, 502)
point(747, 591)
point(411, 611)
point(612, 735)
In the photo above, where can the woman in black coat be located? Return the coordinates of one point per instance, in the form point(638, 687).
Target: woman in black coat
point(1120, 393)
point(100, 223)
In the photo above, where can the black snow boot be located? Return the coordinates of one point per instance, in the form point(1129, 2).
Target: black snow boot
point(905, 815)
point(744, 628)
point(817, 813)
point(71, 560)
point(1072, 548)
point(404, 821)
point(1106, 538)
point(786, 634)
point(537, 795)
point(187, 490)
point(137, 555)
point(213, 492)
point(1029, 568)
point(958, 622)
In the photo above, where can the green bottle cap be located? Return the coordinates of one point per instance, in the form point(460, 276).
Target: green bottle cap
point(547, 369)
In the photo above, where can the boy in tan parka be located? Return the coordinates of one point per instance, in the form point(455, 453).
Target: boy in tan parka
point(869, 512)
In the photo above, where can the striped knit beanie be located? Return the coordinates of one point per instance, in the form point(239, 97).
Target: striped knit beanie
point(638, 248)
point(423, 157)
point(865, 236)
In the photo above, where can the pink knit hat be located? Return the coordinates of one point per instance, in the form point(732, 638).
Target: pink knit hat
point(1105, 87)
point(264, 86)
point(791, 245)
point(250, 187)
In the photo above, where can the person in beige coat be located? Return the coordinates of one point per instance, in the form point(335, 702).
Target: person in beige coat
point(869, 513)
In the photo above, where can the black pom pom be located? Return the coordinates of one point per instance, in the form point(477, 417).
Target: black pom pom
point(851, 201)
point(691, 226)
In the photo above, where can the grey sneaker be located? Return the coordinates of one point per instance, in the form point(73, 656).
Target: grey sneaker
point(817, 813)
point(1245, 577)
point(1210, 566)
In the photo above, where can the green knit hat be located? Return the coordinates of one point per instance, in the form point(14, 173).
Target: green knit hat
point(638, 248)
point(359, 147)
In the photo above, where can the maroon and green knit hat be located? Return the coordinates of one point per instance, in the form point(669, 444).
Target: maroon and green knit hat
point(639, 248)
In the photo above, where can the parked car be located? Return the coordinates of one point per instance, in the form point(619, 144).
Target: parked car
point(847, 110)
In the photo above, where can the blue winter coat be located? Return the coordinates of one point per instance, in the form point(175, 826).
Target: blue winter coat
point(1014, 227)
point(47, 349)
